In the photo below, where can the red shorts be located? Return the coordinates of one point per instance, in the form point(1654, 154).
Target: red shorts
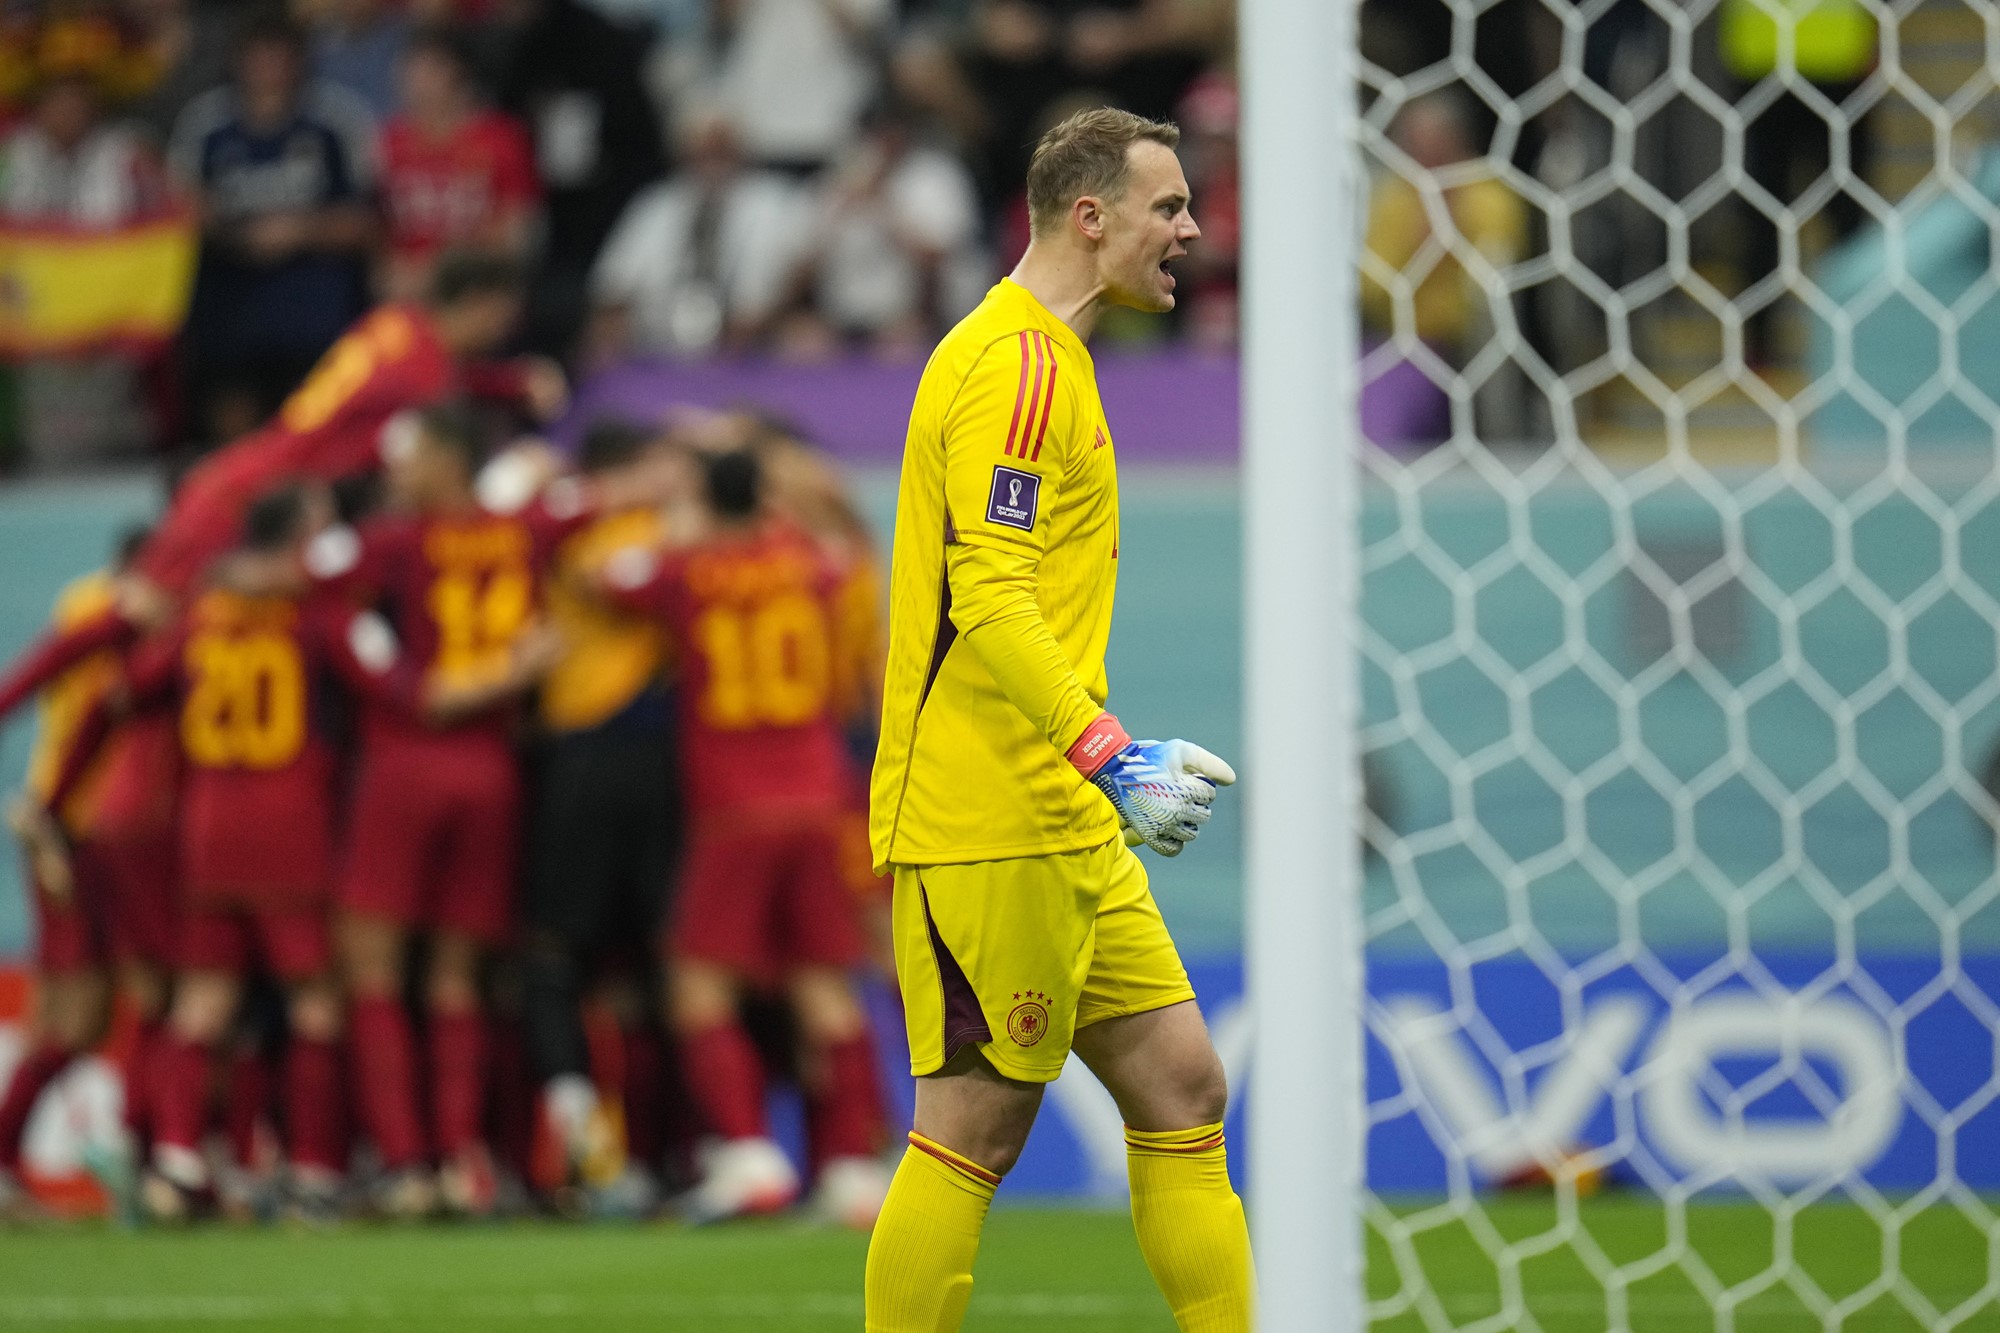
point(75, 933)
point(293, 945)
point(765, 901)
point(433, 833)
point(143, 897)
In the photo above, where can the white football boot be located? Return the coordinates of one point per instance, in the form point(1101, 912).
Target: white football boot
point(851, 1191)
point(744, 1178)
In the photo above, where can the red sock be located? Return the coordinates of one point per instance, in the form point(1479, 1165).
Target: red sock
point(512, 1101)
point(642, 1090)
point(36, 1071)
point(248, 1099)
point(385, 1079)
point(140, 1080)
point(844, 1112)
point(182, 1071)
point(315, 1119)
point(458, 1078)
point(727, 1080)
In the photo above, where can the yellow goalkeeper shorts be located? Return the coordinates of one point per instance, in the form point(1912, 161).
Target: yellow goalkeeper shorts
point(1014, 956)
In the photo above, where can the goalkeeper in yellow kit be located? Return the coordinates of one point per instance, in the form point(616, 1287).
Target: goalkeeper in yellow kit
point(1004, 795)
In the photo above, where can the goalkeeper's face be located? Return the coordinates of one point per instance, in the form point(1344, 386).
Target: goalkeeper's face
point(1145, 230)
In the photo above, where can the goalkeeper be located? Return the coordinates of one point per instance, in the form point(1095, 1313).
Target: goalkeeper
point(1004, 795)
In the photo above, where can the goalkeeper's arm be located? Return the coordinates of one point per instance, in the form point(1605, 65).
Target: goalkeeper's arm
point(1162, 791)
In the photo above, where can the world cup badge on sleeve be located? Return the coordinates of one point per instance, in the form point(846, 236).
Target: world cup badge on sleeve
point(1016, 495)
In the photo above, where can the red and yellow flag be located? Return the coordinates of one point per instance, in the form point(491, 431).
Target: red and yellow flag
point(66, 290)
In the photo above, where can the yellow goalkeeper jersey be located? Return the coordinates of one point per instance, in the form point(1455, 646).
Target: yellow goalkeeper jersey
point(1000, 590)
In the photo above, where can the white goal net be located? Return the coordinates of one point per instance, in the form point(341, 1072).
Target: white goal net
point(1681, 578)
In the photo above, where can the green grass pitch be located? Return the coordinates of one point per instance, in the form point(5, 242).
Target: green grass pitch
point(1051, 1270)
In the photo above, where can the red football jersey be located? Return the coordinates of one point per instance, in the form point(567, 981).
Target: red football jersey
point(459, 590)
point(445, 192)
point(251, 676)
point(756, 626)
point(330, 427)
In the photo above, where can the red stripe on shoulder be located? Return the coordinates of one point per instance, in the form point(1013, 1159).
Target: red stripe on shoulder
point(1048, 401)
point(1034, 394)
point(1020, 397)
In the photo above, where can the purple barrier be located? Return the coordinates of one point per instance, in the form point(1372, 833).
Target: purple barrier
point(1169, 406)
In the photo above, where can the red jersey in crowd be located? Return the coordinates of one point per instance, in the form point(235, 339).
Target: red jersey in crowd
point(447, 191)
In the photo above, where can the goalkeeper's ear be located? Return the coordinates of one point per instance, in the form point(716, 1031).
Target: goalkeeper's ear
point(1200, 762)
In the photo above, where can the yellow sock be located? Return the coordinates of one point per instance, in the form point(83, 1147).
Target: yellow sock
point(1191, 1227)
point(920, 1257)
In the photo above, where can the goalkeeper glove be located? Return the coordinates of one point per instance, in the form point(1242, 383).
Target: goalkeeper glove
point(1162, 790)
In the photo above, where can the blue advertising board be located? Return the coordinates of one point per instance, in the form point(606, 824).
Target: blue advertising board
point(1679, 1072)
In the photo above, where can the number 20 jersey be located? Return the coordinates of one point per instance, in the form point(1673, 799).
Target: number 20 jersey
point(253, 677)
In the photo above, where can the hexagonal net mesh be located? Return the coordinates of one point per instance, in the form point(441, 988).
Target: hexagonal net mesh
point(1681, 554)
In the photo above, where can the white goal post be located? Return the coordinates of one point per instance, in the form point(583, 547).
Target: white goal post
point(1622, 746)
point(1301, 669)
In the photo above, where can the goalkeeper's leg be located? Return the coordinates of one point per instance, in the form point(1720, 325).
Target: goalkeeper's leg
point(1163, 1071)
point(971, 1123)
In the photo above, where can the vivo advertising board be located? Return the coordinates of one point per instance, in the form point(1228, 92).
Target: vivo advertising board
point(1689, 1072)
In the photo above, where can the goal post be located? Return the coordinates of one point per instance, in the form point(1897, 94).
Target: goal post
point(1622, 745)
point(1301, 669)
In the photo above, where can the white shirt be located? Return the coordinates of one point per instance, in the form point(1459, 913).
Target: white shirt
point(794, 81)
point(97, 185)
point(868, 278)
point(650, 267)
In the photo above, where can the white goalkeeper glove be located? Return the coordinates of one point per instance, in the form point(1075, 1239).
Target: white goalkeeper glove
point(1163, 791)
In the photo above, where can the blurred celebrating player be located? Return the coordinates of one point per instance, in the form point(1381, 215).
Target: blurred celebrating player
point(69, 887)
point(434, 825)
point(433, 828)
point(760, 902)
point(604, 831)
point(1024, 925)
point(249, 668)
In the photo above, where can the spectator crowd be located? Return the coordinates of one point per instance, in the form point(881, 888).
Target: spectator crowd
point(683, 177)
point(811, 178)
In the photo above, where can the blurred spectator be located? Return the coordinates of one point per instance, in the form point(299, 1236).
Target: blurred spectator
point(574, 78)
point(281, 169)
point(897, 258)
point(68, 167)
point(701, 262)
point(1018, 60)
point(358, 44)
point(1788, 146)
point(186, 46)
point(455, 173)
point(1447, 306)
point(795, 76)
point(61, 37)
point(1208, 308)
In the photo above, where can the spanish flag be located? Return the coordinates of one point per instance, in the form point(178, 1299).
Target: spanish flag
point(66, 290)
